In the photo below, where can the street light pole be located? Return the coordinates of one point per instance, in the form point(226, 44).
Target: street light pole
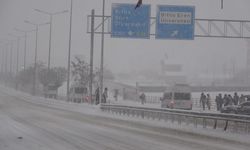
point(25, 51)
point(6, 64)
point(2, 61)
point(11, 51)
point(17, 52)
point(17, 57)
point(25, 45)
point(35, 63)
point(51, 23)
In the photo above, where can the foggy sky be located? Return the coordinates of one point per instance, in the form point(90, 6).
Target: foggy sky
point(124, 55)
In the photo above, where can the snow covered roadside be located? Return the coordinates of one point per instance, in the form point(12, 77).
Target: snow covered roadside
point(94, 110)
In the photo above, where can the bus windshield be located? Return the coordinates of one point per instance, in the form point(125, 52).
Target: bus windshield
point(167, 96)
point(182, 96)
point(80, 90)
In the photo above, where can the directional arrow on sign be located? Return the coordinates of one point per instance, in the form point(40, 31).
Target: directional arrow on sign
point(174, 33)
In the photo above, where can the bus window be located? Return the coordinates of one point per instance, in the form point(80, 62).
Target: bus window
point(80, 90)
point(182, 96)
point(167, 96)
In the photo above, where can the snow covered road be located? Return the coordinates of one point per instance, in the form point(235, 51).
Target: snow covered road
point(28, 125)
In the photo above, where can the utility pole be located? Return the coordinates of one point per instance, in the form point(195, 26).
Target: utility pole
point(69, 53)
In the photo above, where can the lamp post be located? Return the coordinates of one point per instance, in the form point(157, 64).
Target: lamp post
point(6, 65)
point(8, 74)
point(11, 52)
point(2, 61)
point(10, 43)
point(35, 60)
point(5, 68)
point(17, 56)
point(17, 51)
point(25, 44)
point(2, 54)
point(51, 18)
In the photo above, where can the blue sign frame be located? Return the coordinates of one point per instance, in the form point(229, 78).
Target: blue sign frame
point(175, 22)
point(128, 22)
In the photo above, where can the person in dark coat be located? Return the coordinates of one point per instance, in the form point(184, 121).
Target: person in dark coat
point(105, 95)
point(242, 98)
point(236, 99)
point(203, 100)
point(116, 93)
point(208, 101)
point(230, 100)
point(97, 95)
point(225, 100)
point(143, 98)
point(217, 103)
point(220, 99)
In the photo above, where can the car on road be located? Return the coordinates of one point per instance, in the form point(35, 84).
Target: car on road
point(243, 108)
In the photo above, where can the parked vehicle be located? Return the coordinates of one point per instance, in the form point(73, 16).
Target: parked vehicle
point(243, 108)
point(78, 93)
point(50, 91)
point(177, 97)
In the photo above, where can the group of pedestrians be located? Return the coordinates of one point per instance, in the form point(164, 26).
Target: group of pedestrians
point(104, 95)
point(221, 101)
point(228, 99)
point(205, 100)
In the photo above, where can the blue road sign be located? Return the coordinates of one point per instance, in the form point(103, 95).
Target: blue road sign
point(128, 22)
point(175, 22)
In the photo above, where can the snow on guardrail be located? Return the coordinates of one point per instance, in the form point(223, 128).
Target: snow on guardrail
point(231, 122)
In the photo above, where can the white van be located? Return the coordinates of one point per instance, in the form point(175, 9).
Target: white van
point(177, 97)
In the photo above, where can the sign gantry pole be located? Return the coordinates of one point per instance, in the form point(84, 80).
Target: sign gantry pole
point(69, 52)
point(91, 52)
point(102, 52)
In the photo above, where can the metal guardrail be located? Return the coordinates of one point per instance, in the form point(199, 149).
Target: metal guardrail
point(226, 122)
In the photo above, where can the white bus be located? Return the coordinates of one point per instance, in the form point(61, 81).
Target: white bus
point(177, 97)
point(78, 93)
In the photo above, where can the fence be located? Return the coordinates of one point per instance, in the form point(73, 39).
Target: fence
point(226, 122)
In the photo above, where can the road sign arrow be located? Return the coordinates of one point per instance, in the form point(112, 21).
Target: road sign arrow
point(174, 33)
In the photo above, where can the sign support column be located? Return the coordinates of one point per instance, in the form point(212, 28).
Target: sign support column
point(102, 52)
point(91, 53)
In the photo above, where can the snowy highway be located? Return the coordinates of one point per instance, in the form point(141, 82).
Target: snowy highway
point(26, 125)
